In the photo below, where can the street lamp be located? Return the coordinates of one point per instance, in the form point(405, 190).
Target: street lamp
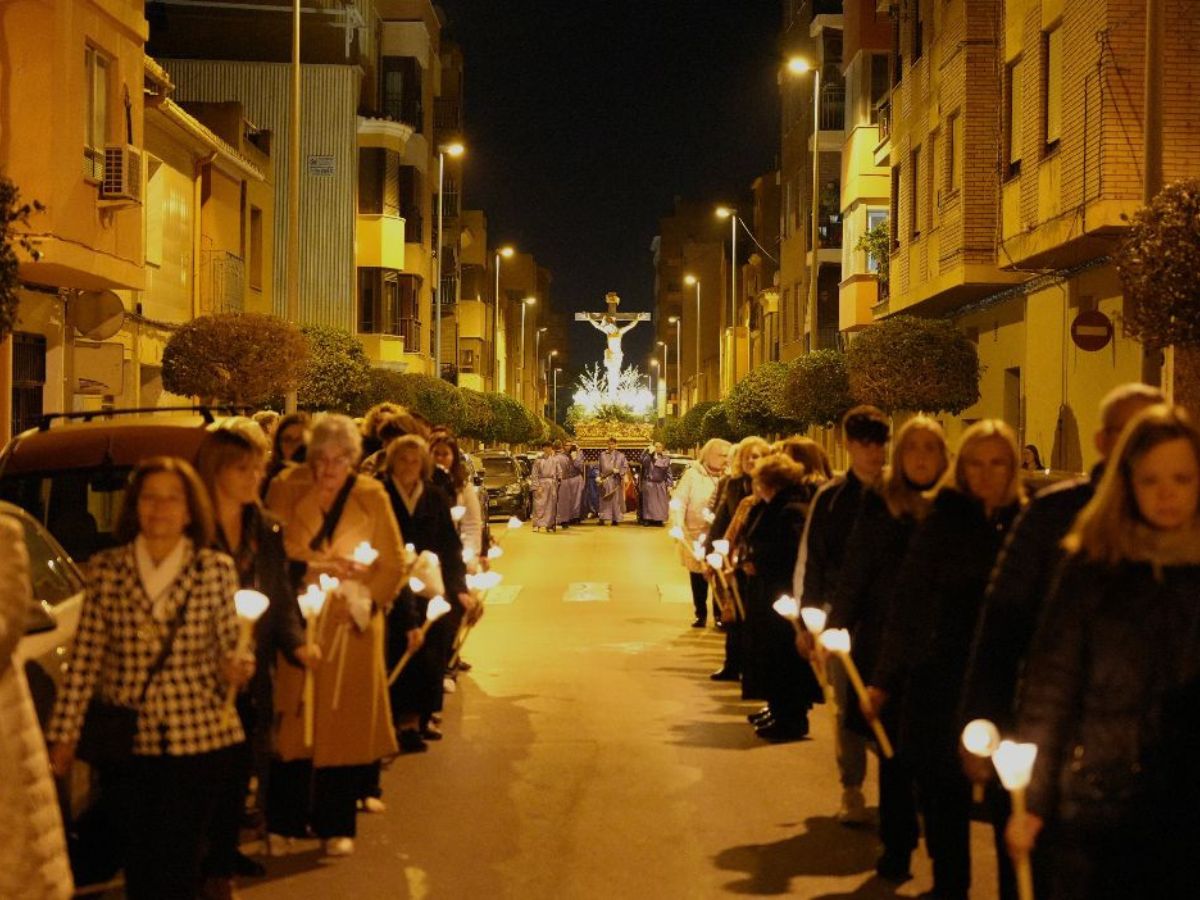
point(501, 253)
point(728, 212)
point(690, 280)
point(653, 371)
point(528, 301)
point(556, 371)
point(677, 321)
point(454, 150)
point(537, 359)
point(798, 65)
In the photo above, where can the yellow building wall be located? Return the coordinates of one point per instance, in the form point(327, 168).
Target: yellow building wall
point(170, 229)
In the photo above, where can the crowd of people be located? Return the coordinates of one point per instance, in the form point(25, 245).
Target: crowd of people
point(1069, 620)
point(199, 724)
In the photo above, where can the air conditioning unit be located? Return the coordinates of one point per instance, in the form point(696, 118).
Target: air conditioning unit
point(122, 173)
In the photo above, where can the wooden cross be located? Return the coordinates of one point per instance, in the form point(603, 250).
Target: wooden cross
point(612, 301)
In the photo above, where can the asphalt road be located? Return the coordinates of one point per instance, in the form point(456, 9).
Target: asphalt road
point(587, 755)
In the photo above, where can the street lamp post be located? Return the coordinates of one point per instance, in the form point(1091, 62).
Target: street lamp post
point(528, 301)
point(549, 362)
point(799, 66)
point(665, 364)
point(653, 369)
point(448, 150)
point(728, 212)
point(501, 253)
point(678, 331)
point(556, 371)
point(692, 279)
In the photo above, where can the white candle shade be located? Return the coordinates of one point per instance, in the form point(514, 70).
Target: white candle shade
point(311, 601)
point(676, 533)
point(721, 546)
point(981, 737)
point(495, 552)
point(327, 583)
point(416, 585)
point(708, 515)
point(457, 512)
point(716, 560)
point(468, 555)
point(814, 618)
point(514, 522)
point(364, 554)
point(836, 640)
point(250, 604)
point(787, 607)
point(675, 505)
point(437, 608)
point(1014, 764)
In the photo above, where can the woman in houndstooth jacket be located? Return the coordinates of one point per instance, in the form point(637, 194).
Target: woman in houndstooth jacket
point(163, 571)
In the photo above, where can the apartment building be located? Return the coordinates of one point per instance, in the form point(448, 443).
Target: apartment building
point(524, 299)
point(760, 287)
point(1016, 153)
point(691, 287)
point(813, 104)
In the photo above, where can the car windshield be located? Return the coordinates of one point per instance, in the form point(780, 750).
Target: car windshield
point(55, 579)
point(79, 507)
point(497, 466)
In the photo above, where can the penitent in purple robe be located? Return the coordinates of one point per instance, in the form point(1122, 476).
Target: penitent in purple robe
point(656, 479)
point(610, 479)
point(570, 488)
point(545, 486)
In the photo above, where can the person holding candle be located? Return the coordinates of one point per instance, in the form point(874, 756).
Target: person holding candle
point(447, 458)
point(230, 463)
point(1111, 689)
point(730, 492)
point(692, 499)
point(423, 512)
point(888, 515)
point(157, 634)
point(923, 656)
point(767, 556)
point(865, 431)
point(328, 512)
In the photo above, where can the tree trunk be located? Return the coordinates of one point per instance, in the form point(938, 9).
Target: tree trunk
point(1187, 379)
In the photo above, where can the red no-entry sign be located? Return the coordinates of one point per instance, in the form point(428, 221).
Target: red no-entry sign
point(1091, 330)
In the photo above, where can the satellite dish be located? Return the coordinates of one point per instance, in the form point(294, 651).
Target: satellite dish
point(97, 315)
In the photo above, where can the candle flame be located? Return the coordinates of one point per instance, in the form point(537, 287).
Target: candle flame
point(468, 555)
point(981, 737)
point(365, 554)
point(787, 607)
point(494, 552)
point(836, 640)
point(311, 601)
point(676, 533)
point(708, 515)
point(416, 585)
point(675, 505)
point(1014, 764)
point(514, 523)
point(250, 604)
point(716, 560)
point(457, 512)
point(721, 546)
point(437, 608)
point(814, 618)
point(328, 583)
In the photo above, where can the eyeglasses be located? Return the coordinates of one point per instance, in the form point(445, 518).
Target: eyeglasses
point(330, 462)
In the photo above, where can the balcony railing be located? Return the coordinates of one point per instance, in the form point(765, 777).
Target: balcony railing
point(883, 115)
point(222, 281)
point(827, 338)
point(447, 115)
point(833, 106)
point(410, 330)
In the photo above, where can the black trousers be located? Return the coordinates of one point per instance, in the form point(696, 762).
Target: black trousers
point(898, 827)
point(165, 807)
point(289, 797)
point(944, 798)
point(733, 648)
point(336, 790)
point(228, 808)
point(699, 594)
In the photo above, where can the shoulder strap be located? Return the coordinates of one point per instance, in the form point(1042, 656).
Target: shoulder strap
point(330, 523)
point(168, 643)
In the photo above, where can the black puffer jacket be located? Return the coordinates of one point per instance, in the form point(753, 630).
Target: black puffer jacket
point(730, 492)
point(932, 621)
point(1013, 602)
point(1112, 698)
point(825, 539)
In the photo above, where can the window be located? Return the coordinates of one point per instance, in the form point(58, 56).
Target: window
point(1052, 55)
point(468, 361)
point(918, 32)
point(930, 211)
point(378, 182)
point(156, 199)
point(875, 218)
point(879, 83)
point(402, 99)
point(915, 192)
point(953, 149)
point(1014, 114)
point(96, 125)
point(256, 248)
point(894, 212)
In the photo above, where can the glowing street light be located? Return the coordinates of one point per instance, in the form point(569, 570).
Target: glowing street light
point(454, 149)
point(527, 302)
point(690, 280)
point(505, 252)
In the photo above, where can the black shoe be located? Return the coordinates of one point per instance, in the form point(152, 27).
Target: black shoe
point(699, 623)
point(718, 624)
point(431, 733)
point(761, 716)
point(724, 674)
point(893, 867)
point(411, 741)
point(463, 666)
point(247, 867)
point(781, 732)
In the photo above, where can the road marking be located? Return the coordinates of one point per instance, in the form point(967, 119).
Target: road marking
point(587, 592)
point(675, 593)
point(503, 595)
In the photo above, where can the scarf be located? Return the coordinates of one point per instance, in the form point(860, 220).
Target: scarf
point(1163, 549)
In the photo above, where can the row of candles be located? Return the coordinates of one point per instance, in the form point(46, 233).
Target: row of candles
point(1013, 761)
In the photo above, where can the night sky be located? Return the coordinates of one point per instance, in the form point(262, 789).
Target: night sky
point(585, 118)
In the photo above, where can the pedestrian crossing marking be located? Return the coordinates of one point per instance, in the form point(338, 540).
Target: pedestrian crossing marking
point(503, 595)
point(587, 592)
point(674, 593)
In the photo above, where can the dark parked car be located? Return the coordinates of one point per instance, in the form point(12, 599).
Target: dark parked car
point(508, 489)
point(475, 474)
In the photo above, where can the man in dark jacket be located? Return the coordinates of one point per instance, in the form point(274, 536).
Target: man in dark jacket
point(822, 548)
point(1013, 604)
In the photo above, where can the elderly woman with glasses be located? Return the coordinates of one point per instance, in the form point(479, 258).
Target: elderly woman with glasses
point(328, 511)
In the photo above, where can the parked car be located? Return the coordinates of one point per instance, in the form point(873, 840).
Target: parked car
point(508, 491)
point(475, 474)
point(679, 465)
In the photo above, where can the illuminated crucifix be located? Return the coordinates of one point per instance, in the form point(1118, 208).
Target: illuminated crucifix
point(609, 323)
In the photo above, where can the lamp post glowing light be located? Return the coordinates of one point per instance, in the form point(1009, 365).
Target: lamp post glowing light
point(527, 302)
point(693, 280)
point(727, 212)
point(505, 252)
point(455, 150)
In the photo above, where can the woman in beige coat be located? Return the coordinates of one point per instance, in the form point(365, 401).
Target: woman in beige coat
point(327, 512)
point(33, 854)
point(691, 511)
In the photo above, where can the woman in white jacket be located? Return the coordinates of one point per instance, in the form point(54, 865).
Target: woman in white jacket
point(692, 499)
point(33, 854)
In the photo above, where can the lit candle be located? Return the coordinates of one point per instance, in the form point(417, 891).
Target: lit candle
point(1014, 764)
point(676, 533)
point(788, 608)
point(437, 608)
point(721, 546)
point(415, 584)
point(981, 738)
point(457, 513)
point(707, 515)
point(837, 640)
point(312, 601)
point(328, 584)
point(495, 552)
point(250, 607)
point(468, 555)
point(364, 554)
point(514, 523)
point(814, 619)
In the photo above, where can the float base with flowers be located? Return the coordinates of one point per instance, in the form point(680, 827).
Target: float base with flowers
point(600, 412)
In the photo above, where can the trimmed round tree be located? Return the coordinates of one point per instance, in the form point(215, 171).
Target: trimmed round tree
point(669, 433)
point(691, 426)
point(478, 418)
point(913, 364)
point(757, 403)
point(435, 398)
point(512, 424)
point(716, 424)
point(818, 388)
point(234, 358)
point(337, 371)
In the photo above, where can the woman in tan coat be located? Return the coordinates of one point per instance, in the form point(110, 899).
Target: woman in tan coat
point(33, 854)
point(328, 511)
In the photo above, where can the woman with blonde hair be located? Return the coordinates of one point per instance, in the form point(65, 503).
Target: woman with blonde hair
point(927, 641)
point(328, 511)
point(889, 514)
point(1111, 693)
point(731, 491)
point(688, 506)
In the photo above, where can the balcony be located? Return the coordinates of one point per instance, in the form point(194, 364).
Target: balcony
point(377, 130)
point(222, 282)
point(447, 116)
point(832, 107)
point(379, 242)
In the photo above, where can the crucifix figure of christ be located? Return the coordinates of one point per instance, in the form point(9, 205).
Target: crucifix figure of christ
point(610, 324)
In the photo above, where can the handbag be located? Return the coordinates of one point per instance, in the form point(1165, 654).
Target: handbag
point(106, 738)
